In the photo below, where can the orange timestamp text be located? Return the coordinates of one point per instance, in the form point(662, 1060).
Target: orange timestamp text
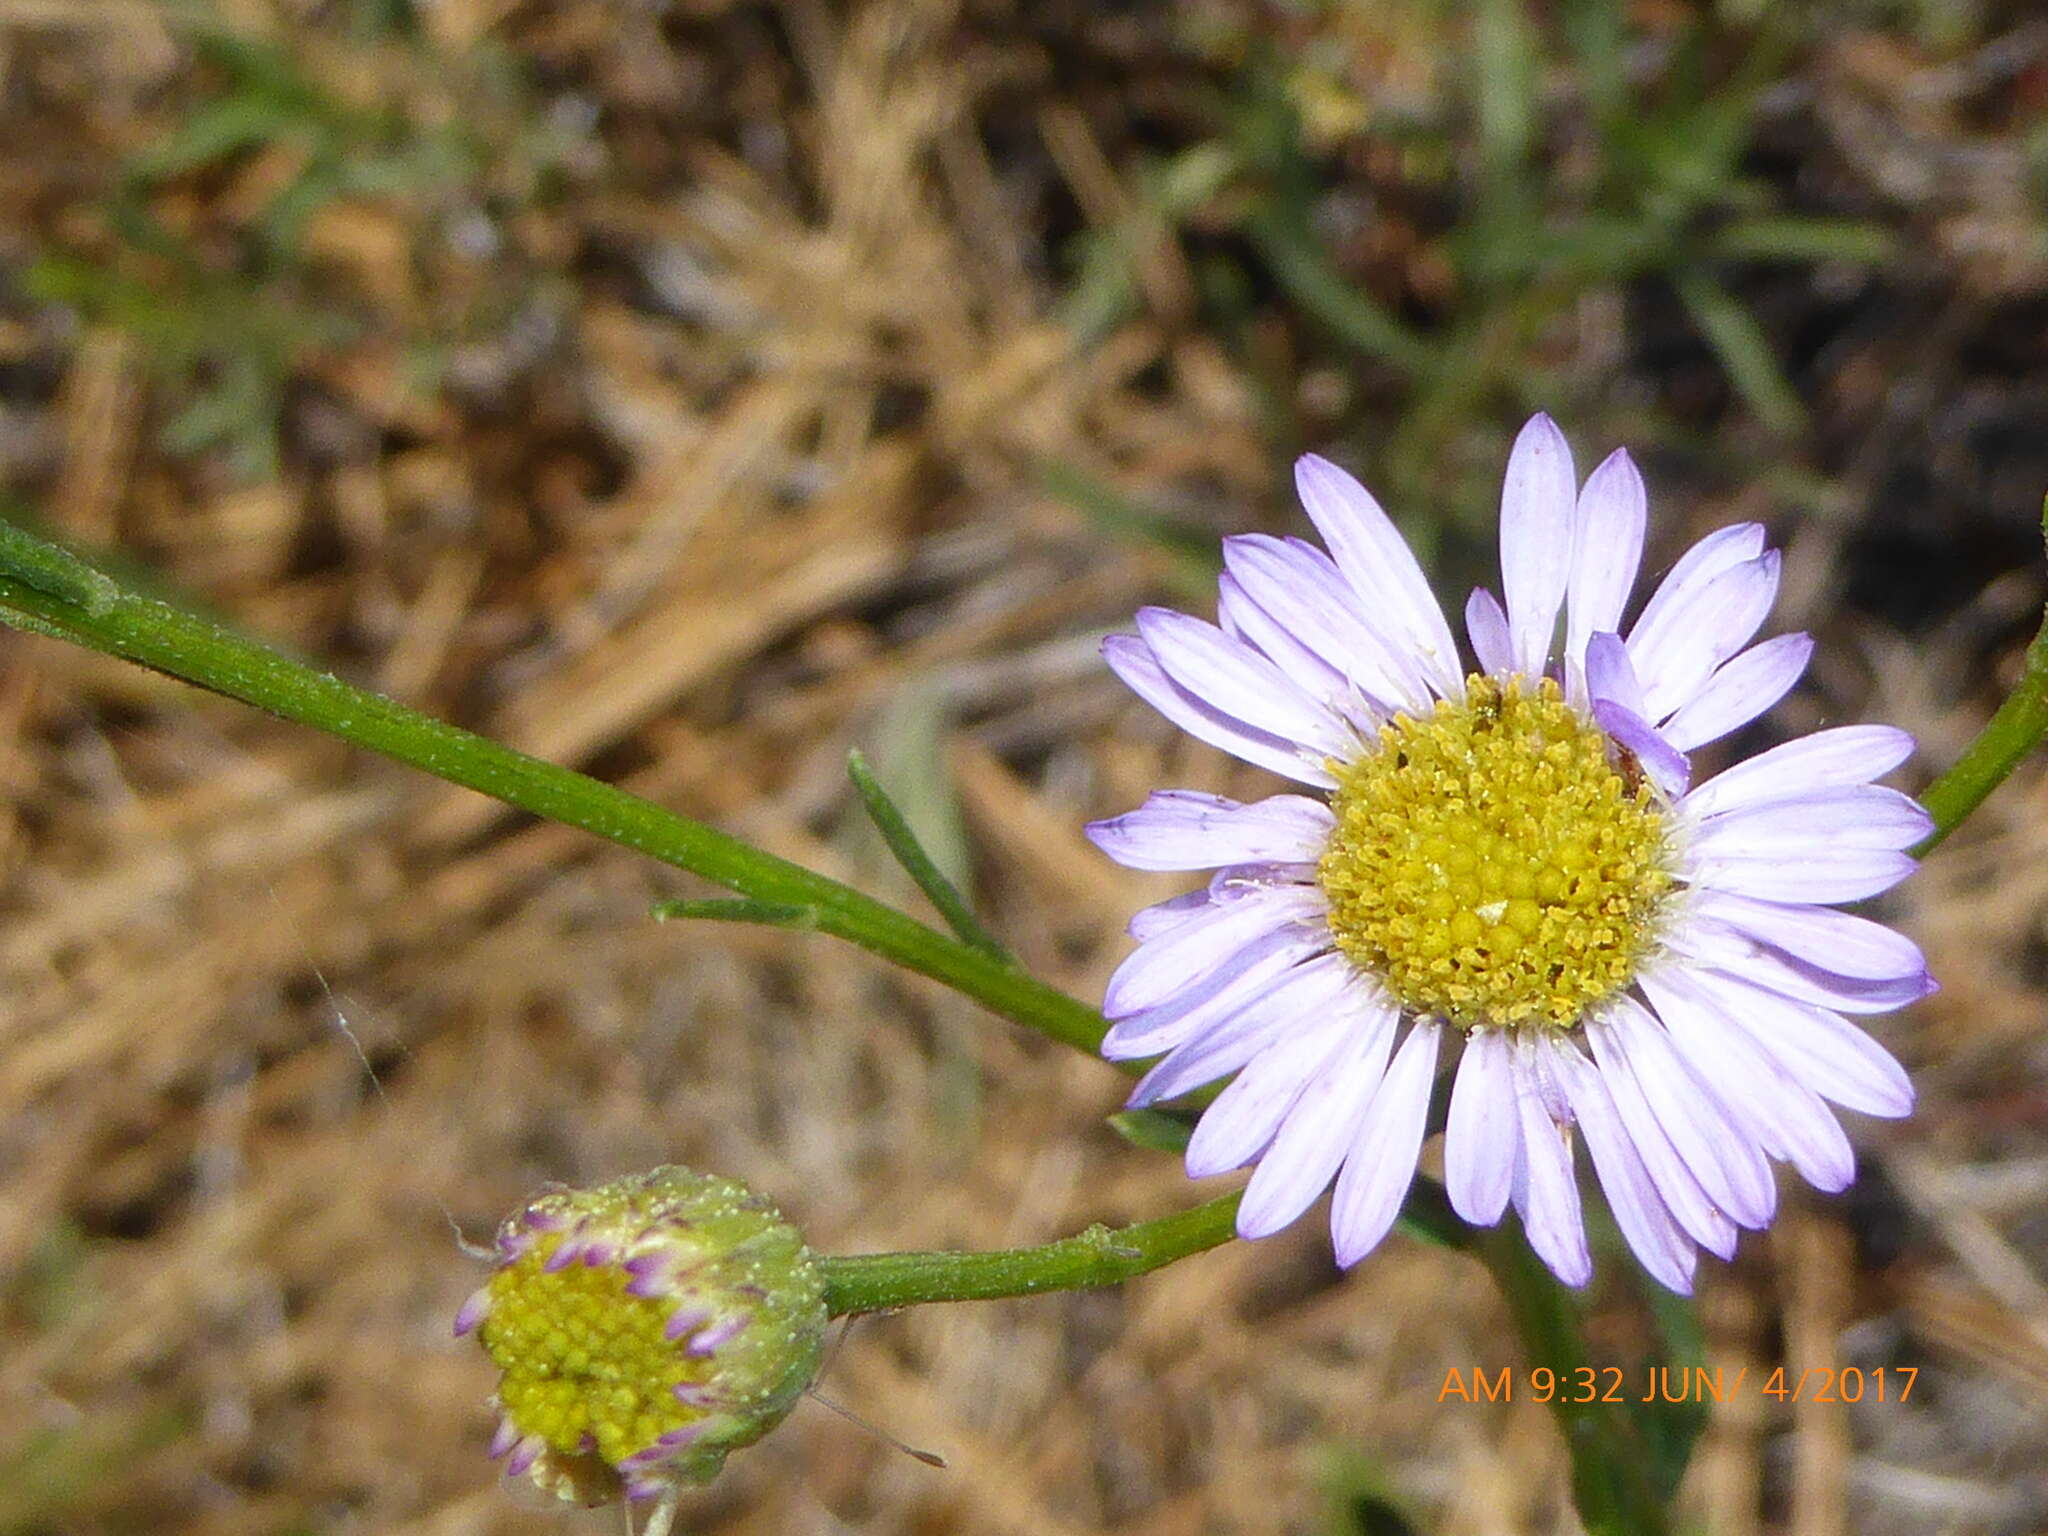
point(1679, 1384)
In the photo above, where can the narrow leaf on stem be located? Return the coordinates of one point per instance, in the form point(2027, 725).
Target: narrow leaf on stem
point(919, 865)
point(1155, 1130)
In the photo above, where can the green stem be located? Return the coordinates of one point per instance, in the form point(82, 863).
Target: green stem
point(48, 591)
point(879, 1282)
point(1611, 1479)
point(761, 913)
point(2014, 731)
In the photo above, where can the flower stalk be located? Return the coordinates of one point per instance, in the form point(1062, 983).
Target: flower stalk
point(882, 1282)
point(2011, 733)
point(49, 591)
point(1611, 1482)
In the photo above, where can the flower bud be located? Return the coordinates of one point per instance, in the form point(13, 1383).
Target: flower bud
point(642, 1330)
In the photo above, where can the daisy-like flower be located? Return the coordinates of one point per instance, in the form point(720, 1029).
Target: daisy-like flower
point(1512, 860)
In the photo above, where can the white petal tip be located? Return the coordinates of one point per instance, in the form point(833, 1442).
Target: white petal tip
point(1253, 1227)
point(1577, 1276)
point(1348, 1257)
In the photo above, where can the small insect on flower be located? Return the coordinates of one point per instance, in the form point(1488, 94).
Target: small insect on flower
point(642, 1330)
point(1512, 858)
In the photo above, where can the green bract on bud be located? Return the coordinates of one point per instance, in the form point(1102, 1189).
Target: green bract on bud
point(642, 1330)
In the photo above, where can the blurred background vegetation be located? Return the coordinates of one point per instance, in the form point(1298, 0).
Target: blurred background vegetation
point(689, 390)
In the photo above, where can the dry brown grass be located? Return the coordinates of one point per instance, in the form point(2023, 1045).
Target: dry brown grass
point(775, 492)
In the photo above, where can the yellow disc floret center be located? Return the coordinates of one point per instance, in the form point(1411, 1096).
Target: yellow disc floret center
point(1498, 862)
point(585, 1366)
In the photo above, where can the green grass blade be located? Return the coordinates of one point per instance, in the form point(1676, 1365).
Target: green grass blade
point(1739, 342)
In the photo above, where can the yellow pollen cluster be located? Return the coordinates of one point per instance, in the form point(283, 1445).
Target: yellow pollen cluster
point(581, 1356)
point(1492, 864)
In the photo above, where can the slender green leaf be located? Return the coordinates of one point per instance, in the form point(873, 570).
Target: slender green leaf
point(245, 120)
point(1300, 266)
point(1792, 238)
point(1612, 1482)
point(1744, 351)
point(1506, 62)
point(55, 571)
point(917, 863)
point(1594, 31)
point(1155, 1130)
point(1193, 563)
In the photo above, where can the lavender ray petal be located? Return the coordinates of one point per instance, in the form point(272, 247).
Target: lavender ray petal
point(1725, 949)
point(1675, 659)
point(1546, 1195)
point(684, 1320)
point(1837, 942)
point(1611, 676)
point(1838, 874)
point(1639, 1210)
point(1132, 660)
point(1719, 550)
point(1486, 626)
point(1180, 959)
point(1689, 1204)
point(1849, 816)
point(1179, 829)
point(524, 1455)
point(567, 1252)
point(706, 1341)
point(474, 1309)
point(1148, 923)
point(1480, 1134)
point(1302, 993)
point(1302, 591)
point(1381, 1162)
point(1665, 766)
point(1740, 691)
point(1381, 568)
point(1706, 1133)
point(1847, 754)
point(1305, 1154)
point(1607, 551)
point(1538, 499)
point(1339, 686)
point(1815, 1046)
point(1227, 988)
point(1247, 1114)
point(1783, 1115)
point(1237, 681)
